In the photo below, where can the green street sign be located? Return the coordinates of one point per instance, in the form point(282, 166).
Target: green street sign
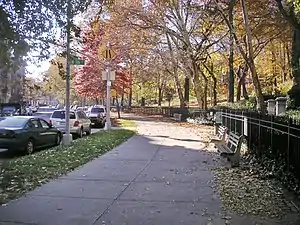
point(76, 61)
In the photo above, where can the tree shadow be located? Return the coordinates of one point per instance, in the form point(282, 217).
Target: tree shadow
point(182, 139)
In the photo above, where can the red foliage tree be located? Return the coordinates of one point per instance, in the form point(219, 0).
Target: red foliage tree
point(88, 80)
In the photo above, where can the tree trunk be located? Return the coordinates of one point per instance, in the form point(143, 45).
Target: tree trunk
point(241, 89)
point(179, 91)
point(239, 85)
point(187, 90)
point(175, 74)
point(294, 93)
point(244, 89)
point(214, 84)
point(259, 97)
point(198, 92)
point(118, 107)
point(231, 53)
point(288, 57)
point(214, 102)
point(122, 99)
point(205, 90)
point(160, 96)
point(283, 62)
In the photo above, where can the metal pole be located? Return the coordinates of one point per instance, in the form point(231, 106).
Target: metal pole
point(108, 84)
point(67, 137)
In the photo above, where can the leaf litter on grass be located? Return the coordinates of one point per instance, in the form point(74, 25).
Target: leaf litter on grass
point(244, 193)
point(25, 173)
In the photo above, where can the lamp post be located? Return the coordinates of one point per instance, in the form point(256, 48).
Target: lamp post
point(67, 137)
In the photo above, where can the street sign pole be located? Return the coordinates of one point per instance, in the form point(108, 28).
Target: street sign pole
point(108, 85)
point(67, 137)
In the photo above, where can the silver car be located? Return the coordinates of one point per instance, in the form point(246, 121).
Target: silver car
point(79, 122)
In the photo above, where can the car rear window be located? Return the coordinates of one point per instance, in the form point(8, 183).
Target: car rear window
point(45, 109)
point(13, 122)
point(62, 115)
point(97, 110)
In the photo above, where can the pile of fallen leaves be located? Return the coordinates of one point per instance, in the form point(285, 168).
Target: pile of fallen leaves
point(22, 174)
point(267, 168)
point(243, 191)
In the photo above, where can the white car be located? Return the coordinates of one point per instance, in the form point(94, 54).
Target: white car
point(101, 108)
point(79, 122)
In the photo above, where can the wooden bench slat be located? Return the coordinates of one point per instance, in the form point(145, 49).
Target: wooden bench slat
point(232, 149)
point(220, 137)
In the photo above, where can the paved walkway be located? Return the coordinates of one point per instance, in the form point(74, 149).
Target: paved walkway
point(158, 177)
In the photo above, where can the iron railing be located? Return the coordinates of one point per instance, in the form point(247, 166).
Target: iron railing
point(275, 137)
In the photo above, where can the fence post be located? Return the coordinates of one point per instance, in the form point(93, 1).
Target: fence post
point(250, 131)
point(288, 144)
point(242, 124)
point(235, 118)
point(259, 132)
point(272, 123)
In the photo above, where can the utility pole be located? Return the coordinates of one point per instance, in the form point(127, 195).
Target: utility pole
point(108, 85)
point(67, 138)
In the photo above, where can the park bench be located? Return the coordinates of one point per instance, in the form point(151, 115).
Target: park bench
point(221, 134)
point(232, 149)
point(176, 116)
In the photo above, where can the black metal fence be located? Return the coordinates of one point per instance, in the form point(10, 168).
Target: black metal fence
point(275, 137)
point(170, 111)
point(164, 111)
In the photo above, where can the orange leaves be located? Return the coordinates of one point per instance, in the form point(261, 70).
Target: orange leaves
point(88, 81)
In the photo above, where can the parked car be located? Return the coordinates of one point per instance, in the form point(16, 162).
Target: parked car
point(102, 109)
point(43, 115)
point(79, 122)
point(26, 133)
point(97, 116)
point(46, 109)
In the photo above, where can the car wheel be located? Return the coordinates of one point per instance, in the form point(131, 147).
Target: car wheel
point(102, 125)
point(29, 147)
point(89, 131)
point(58, 139)
point(80, 134)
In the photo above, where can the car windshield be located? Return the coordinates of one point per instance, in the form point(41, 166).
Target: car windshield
point(46, 109)
point(42, 114)
point(9, 108)
point(13, 122)
point(97, 110)
point(62, 115)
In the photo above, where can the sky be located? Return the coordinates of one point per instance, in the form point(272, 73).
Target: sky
point(35, 70)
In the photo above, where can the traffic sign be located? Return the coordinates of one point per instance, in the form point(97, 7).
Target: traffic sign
point(76, 61)
point(107, 52)
point(112, 75)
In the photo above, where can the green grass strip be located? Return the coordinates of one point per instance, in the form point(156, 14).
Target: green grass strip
point(22, 174)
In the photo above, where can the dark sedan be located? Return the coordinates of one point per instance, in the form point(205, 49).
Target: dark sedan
point(27, 133)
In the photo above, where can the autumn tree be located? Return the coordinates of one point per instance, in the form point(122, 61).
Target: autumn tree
point(54, 80)
point(290, 10)
point(88, 81)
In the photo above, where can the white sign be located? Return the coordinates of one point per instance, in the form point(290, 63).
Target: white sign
point(104, 75)
point(112, 75)
point(245, 126)
point(218, 118)
point(109, 83)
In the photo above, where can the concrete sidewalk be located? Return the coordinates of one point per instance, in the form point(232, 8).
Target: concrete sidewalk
point(157, 177)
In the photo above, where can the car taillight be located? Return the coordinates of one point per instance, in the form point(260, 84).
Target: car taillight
point(76, 123)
